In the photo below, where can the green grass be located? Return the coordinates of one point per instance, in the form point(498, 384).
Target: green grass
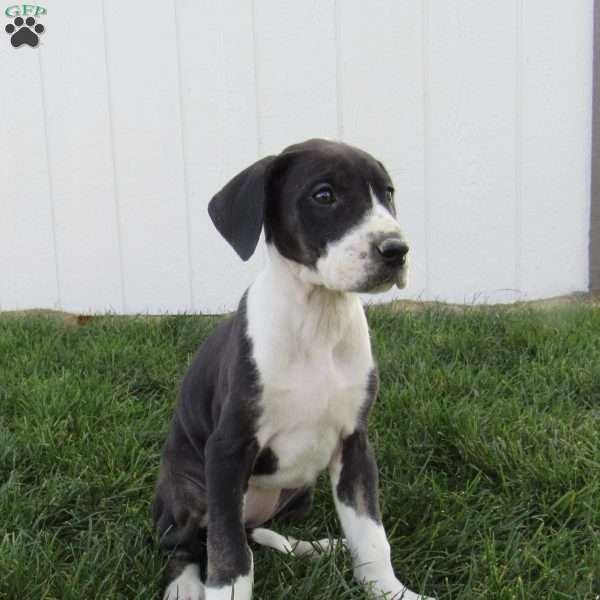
point(486, 431)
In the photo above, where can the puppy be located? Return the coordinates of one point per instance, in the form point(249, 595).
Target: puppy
point(283, 389)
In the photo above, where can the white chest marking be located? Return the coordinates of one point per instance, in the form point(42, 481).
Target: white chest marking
point(313, 354)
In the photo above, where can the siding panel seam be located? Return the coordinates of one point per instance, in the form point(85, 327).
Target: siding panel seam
point(50, 188)
point(111, 127)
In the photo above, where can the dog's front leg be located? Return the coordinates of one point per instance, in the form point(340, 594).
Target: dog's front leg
point(354, 480)
point(230, 565)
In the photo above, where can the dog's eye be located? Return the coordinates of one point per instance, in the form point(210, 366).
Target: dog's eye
point(324, 195)
point(389, 196)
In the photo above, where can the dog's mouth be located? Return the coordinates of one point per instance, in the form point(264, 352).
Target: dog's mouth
point(385, 280)
point(402, 277)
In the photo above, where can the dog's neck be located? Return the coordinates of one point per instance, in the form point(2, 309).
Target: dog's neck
point(296, 304)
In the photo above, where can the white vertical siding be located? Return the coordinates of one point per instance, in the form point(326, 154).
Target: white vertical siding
point(296, 72)
point(80, 161)
point(28, 265)
point(148, 155)
point(220, 134)
point(471, 80)
point(117, 130)
point(381, 98)
point(555, 145)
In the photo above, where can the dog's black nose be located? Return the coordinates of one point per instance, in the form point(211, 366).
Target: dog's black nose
point(393, 251)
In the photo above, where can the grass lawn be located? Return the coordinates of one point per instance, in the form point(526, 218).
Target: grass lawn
point(486, 431)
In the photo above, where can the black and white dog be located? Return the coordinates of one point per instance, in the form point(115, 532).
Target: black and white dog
point(283, 389)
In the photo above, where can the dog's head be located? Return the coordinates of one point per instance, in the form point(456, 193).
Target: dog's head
point(327, 206)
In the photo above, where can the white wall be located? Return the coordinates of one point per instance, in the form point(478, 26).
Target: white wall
point(116, 131)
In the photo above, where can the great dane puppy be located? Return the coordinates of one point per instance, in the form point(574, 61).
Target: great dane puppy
point(283, 389)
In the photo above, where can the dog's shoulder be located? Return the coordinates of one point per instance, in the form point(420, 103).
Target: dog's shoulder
point(222, 372)
point(227, 347)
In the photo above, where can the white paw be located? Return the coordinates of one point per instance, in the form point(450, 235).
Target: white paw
point(315, 549)
point(327, 545)
point(222, 593)
point(290, 545)
point(187, 586)
point(394, 590)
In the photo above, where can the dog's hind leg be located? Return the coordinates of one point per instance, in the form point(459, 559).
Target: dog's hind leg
point(295, 504)
point(183, 539)
point(290, 545)
point(182, 572)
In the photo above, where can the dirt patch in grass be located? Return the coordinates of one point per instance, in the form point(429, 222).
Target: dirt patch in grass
point(75, 319)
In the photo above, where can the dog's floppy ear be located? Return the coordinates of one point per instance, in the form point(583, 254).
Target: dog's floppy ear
point(237, 211)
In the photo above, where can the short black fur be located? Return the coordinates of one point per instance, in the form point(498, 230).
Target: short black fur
point(209, 455)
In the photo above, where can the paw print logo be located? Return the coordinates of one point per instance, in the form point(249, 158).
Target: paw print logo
point(24, 32)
